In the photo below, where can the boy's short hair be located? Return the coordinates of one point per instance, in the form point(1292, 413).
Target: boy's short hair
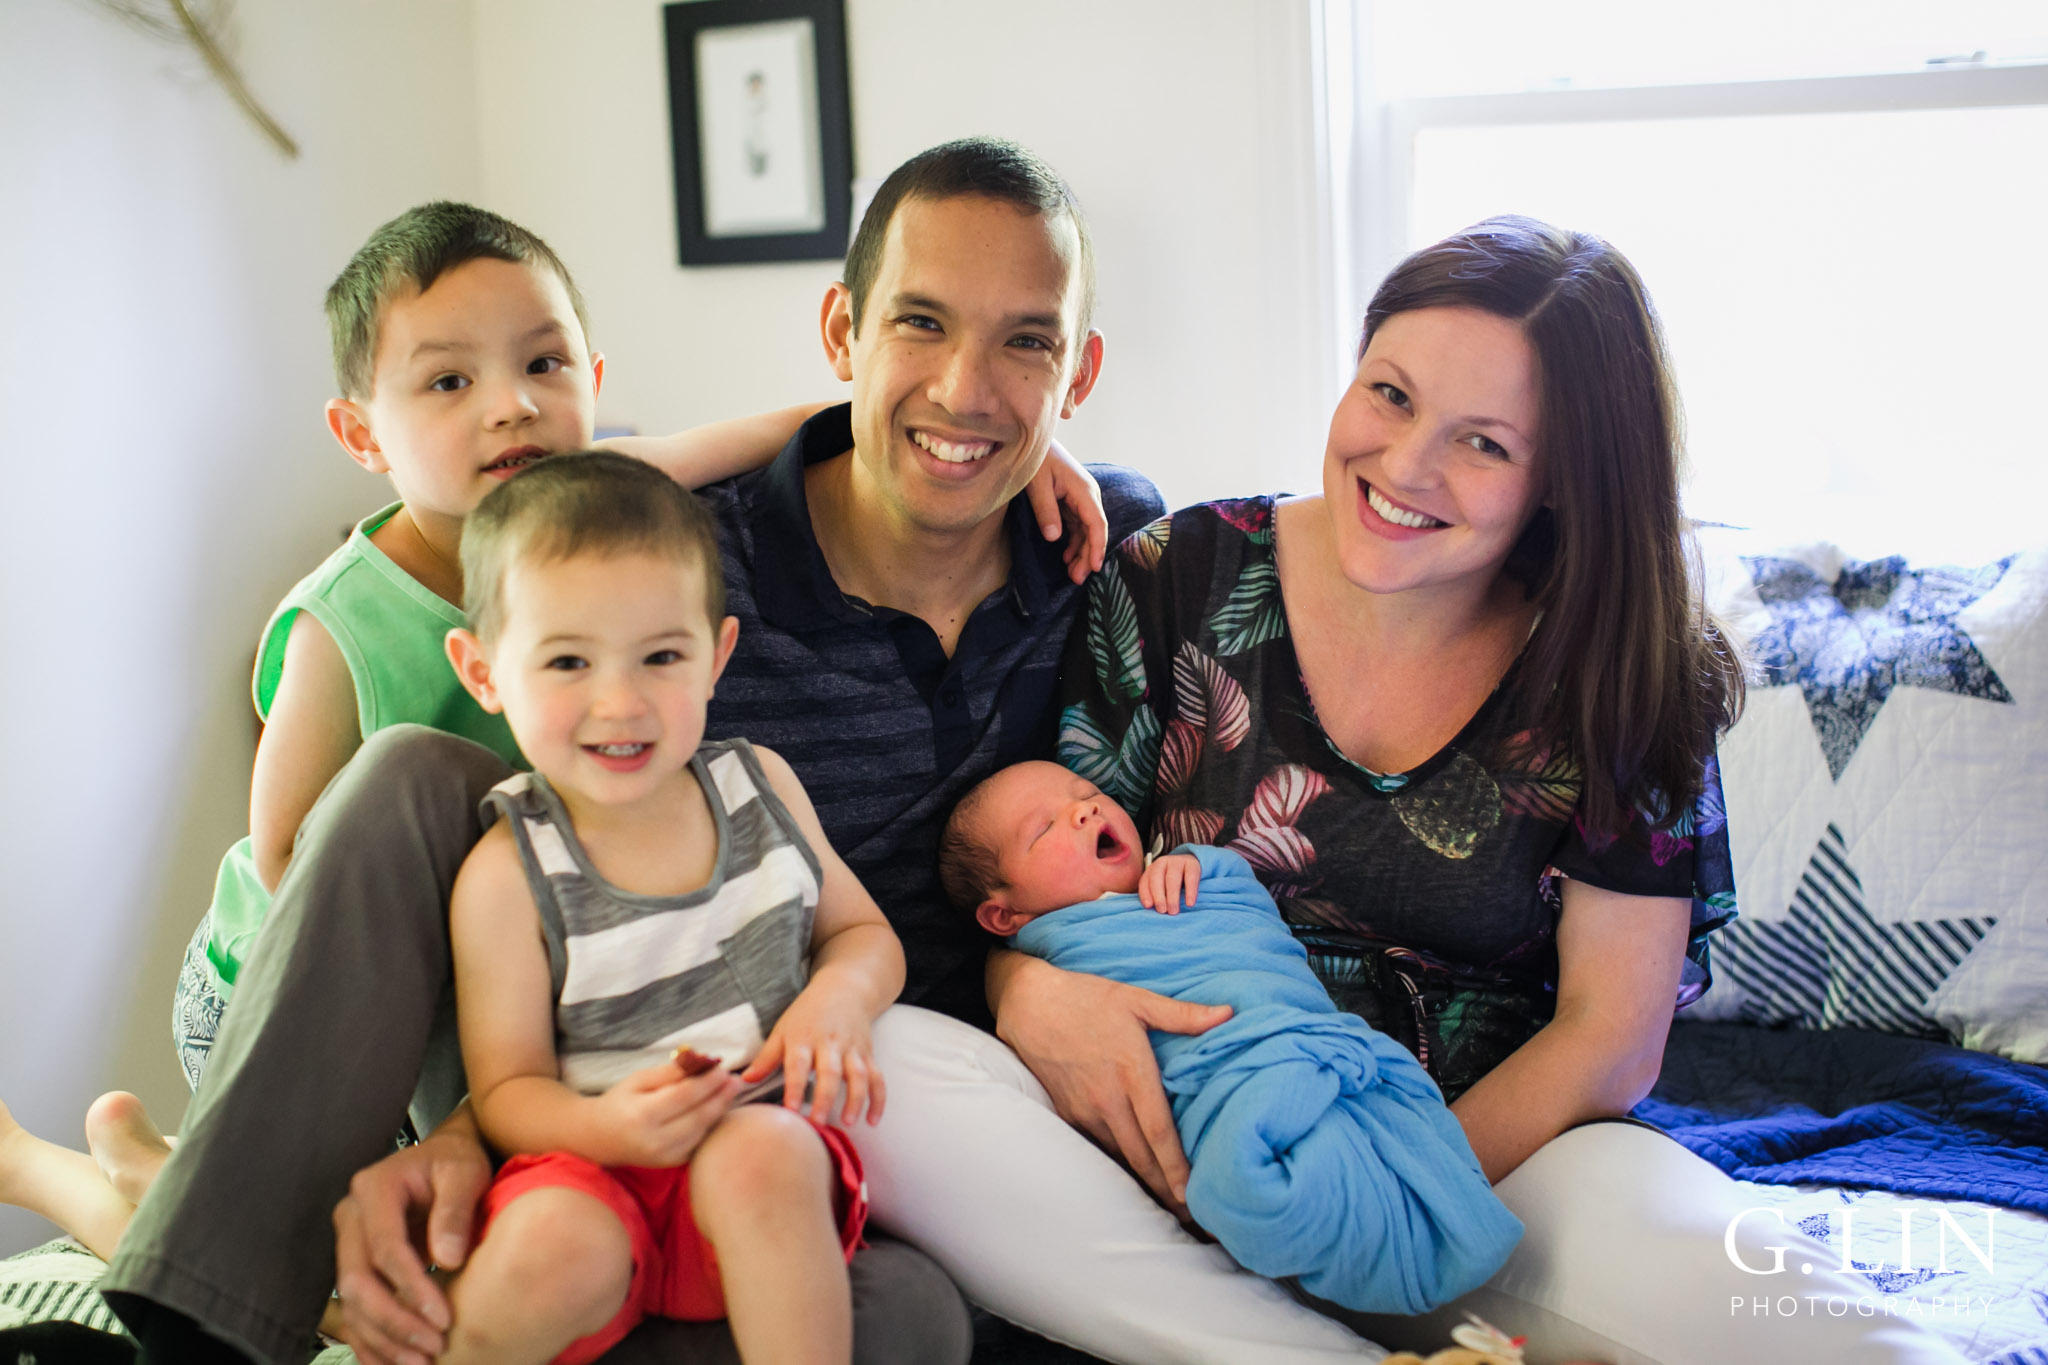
point(413, 250)
point(969, 870)
point(990, 167)
point(593, 502)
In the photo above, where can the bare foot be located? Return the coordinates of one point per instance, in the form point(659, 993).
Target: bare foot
point(18, 1147)
point(62, 1185)
point(127, 1146)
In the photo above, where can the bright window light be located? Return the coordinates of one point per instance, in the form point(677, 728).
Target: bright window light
point(1427, 47)
point(1857, 303)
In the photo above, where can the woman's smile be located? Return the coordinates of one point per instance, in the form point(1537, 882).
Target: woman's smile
point(1392, 519)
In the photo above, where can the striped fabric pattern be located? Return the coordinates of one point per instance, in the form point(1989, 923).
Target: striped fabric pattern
point(637, 977)
point(1830, 963)
point(55, 1282)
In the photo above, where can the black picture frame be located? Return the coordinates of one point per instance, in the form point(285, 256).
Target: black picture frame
point(807, 147)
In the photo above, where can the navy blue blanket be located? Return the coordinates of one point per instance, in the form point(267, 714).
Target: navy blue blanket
point(1843, 1107)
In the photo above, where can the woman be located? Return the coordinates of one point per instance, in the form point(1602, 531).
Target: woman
point(1459, 712)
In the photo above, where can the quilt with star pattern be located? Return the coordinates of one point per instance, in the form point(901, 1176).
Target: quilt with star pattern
point(1886, 791)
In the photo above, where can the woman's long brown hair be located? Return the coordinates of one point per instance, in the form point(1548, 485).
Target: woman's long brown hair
point(1625, 670)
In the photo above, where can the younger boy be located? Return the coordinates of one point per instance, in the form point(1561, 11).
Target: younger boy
point(648, 903)
point(1318, 1147)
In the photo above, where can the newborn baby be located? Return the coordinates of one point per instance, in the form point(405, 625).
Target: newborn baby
point(1319, 1148)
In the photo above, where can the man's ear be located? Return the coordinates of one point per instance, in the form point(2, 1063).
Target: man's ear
point(1085, 373)
point(721, 655)
point(999, 919)
point(835, 326)
point(473, 668)
point(350, 427)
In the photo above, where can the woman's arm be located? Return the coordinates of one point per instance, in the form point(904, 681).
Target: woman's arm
point(1618, 962)
point(311, 732)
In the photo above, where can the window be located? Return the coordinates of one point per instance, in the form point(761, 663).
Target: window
point(1841, 221)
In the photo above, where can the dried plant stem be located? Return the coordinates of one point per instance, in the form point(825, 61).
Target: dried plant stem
point(225, 71)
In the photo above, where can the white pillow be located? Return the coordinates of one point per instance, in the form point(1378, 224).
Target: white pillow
point(1887, 793)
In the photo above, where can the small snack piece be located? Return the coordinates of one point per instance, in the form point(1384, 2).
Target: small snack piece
point(692, 1062)
point(1479, 1343)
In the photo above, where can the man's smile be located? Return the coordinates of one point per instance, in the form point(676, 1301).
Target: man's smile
point(953, 451)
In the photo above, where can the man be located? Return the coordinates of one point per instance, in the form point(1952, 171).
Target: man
point(901, 624)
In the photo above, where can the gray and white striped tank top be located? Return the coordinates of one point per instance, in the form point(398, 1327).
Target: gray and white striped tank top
point(637, 977)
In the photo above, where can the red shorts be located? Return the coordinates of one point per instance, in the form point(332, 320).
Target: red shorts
point(675, 1271)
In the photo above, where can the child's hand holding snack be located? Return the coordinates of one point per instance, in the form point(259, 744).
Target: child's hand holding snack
point(1170, 877)
point(658, 1115)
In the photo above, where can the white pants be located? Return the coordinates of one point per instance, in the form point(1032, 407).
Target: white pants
point(1623, 1261)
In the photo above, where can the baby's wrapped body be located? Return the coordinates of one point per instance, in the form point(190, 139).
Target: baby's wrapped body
point(1319, 1147)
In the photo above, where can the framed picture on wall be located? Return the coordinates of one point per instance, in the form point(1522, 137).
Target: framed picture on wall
point(759, 125)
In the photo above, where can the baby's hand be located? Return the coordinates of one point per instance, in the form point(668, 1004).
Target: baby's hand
point(658, 1115)
point(1160, 886)
point(822, 1033)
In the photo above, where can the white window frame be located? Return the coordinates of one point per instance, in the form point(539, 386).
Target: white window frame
point(1366, 147)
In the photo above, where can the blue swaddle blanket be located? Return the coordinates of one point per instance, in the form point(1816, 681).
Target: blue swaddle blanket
point(1320, 1148)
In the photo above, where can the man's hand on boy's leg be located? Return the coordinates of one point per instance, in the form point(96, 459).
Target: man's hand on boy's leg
point(393, 1313)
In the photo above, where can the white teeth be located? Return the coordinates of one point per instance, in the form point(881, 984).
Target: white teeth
point(953, 452)
point(618, 750)
point(1396, 514)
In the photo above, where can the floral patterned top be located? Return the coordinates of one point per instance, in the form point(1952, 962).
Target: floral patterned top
point(1428, 900)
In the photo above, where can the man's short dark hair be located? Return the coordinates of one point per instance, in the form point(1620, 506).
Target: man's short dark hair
point(411, 252)
point(990, 167)
point(591, 503)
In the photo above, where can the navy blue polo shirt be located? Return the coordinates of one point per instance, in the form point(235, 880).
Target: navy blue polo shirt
point(884, 730)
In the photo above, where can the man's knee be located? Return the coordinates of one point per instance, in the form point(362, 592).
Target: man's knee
point(906, 1308)
point(407, 783)
point(420, 759)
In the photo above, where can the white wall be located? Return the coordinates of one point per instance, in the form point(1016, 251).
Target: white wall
point(168, 475)
point(1184, 126)
point(164, 361)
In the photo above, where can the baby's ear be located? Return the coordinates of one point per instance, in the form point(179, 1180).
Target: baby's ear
point(999, 919)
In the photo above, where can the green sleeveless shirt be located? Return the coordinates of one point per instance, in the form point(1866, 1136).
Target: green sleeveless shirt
point(390, 629)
